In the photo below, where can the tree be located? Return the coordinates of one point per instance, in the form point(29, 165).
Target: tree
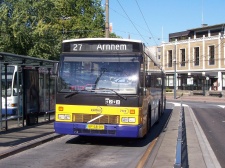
point(113, 35)
point(37, 28)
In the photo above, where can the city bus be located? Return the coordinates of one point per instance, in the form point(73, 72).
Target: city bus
point(108, 87)
point(10, 90)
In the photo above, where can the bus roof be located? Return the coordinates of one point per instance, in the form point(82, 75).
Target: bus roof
point(102, 39)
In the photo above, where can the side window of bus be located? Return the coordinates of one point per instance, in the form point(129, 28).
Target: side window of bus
point(15, 85)
point(141, 80)
point(152, 79)
point(155, 81)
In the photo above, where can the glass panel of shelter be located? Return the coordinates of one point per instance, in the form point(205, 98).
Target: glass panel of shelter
point(21, 93)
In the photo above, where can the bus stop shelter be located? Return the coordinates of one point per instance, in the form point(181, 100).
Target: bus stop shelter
point(31, 82)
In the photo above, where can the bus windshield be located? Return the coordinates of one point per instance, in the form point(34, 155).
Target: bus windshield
point(99, 74)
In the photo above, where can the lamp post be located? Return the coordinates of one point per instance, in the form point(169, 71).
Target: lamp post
point(107, 18)
point(207, 80)
point(175, 78)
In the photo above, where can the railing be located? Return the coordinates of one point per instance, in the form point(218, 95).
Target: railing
point(181, 147)
point(30, 119)
point(4, 120)
point(48, 114)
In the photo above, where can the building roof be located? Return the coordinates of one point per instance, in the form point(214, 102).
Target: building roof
point(188, 32)
point(179, 34)
point(205, 26)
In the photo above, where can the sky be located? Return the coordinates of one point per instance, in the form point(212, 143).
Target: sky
point(151, 21)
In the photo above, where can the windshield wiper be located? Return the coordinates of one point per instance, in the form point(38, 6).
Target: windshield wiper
point(77, 92)
point(114, 92)
point(71, 94)
point(98, 78)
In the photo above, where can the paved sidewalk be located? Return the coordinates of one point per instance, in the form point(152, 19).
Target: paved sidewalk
point(207, 99)
point(19, 139)
point(199, 152)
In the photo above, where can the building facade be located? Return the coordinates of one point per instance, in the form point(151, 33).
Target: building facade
point(195, 59)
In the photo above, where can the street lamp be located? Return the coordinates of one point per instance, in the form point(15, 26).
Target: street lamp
point(175, 78)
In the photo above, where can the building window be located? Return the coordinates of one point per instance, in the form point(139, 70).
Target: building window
point(182, 53)
point(159, 49)
point(159, 56)
point(169, 80)
point(170, 58)
point(196, 56)
point(211, 55)
point(201, 34)
point(215, 32)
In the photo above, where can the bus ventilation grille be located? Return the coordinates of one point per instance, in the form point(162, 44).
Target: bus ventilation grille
point(105, 119)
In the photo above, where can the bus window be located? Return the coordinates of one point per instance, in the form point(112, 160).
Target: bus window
point(9, 87)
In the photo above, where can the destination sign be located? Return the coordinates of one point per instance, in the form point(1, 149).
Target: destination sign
point(101, 46)
point(76, 47)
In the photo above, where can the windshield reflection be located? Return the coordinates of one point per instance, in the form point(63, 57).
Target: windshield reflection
point(91, 74)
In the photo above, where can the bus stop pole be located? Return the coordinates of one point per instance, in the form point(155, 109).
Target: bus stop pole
point(6, 110)
point(23, 94)
point(38, 97)
point(18, 95)
point(1, 97)
point(49, 89)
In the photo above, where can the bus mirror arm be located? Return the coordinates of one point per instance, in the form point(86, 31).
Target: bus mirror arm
point(20, 90)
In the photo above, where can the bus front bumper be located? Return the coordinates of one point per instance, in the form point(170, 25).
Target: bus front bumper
point(110, 130)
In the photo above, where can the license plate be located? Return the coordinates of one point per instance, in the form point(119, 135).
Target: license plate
point(95, 127)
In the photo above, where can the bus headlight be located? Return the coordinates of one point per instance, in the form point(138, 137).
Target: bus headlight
point(128, 119)
point(11, 105)
point(64, 117)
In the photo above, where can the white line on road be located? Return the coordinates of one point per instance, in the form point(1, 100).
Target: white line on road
point(222, 106)
point(178, 104)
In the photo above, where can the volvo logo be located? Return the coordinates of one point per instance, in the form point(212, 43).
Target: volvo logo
point(98, 110)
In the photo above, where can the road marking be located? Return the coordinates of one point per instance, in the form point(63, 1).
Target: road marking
point(144, 158)
point(178, 104)
point(222, 106)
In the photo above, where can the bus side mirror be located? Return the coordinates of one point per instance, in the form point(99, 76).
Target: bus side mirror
point(21, 89)
point(141, 79)
point(148, 80)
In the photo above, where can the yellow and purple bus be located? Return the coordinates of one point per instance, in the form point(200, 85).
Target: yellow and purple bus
point(108, 87)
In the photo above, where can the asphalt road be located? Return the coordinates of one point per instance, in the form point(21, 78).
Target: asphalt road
point(77, 151)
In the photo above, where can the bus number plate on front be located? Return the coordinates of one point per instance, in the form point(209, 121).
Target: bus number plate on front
point(95, 127)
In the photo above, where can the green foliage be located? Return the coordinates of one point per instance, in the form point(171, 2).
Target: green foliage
point(37, 28)
point(113, 35)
